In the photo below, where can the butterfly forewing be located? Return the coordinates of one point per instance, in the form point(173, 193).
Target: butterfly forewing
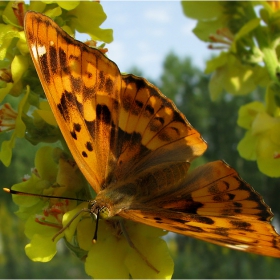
point(83, 89)
point(151, 130)
point(135, 148)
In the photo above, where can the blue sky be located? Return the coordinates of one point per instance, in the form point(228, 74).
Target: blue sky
point(146, 31)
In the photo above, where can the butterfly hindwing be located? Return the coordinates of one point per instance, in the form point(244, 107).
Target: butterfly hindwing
point(213, 204)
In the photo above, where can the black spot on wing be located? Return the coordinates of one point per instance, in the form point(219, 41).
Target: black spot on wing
point(241, 225)
point(89, 75)
point(77, 127)
point(63, 61)
point(53, 59)
point(90, 127)
point(204, 220)
point(149, 110)
point(265, 213)
point(177, 117)
point(139, 104)
point(193, 229)
point(224, 197)
point(137, 107)
point(68, 101)
point(103, 114)
point(237, 204)
point(109, 86)
point(160, 120)
point(45, 67)
point(30, 36)
point(101, 80)
point(76, 84)
point(89, 146)
point(74, 135)
point(69, 40)
point(88, 92)
point(221, 231)
point(230, 211)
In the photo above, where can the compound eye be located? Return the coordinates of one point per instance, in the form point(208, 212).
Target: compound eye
point(104, 212)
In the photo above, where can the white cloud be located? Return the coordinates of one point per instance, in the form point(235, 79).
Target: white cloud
point(159, 15)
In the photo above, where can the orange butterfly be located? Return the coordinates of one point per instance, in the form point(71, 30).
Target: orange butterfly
point(134, 147)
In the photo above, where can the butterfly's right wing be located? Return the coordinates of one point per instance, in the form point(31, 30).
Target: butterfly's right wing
point(152, 131)
point(213, 204)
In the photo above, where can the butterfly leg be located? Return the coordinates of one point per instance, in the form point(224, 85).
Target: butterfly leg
point(131, 244)
point(69, 223)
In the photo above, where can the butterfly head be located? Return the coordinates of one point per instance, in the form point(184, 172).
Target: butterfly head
point(99, 210)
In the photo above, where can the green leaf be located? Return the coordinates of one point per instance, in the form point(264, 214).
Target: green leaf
point(216, 84)
point(41, 249)
point(91, 12)
point(266, 151)
point(239, 79)
point(45, 164)
point(19, 132)
point(128, 263)
point(202, 10)
point(6, 151)
point(204, 29)
point(272, 92)
point(209, 15)
point(19, 67)
point(68, 5)
point(37, 6)
point(216, 62)
point(7, 34)
point(247, 113)
point(246, 28)
point(264, 122)
point(52, 13)
point(154, 249)
point(67, 217)
point(247, 146)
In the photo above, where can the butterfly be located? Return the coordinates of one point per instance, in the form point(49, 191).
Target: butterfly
point(135, 147)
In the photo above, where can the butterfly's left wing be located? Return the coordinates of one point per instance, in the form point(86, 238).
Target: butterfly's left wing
point(213, 204)
point(83, 89)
